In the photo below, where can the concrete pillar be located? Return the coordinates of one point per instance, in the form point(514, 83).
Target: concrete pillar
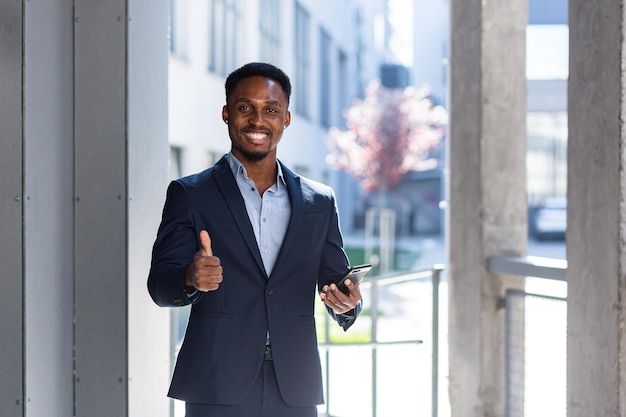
point(487, 193)
point(596, 225)
point(11, 201)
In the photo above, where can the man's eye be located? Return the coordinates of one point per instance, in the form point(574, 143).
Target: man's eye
point(271, 111)
point(244, 108)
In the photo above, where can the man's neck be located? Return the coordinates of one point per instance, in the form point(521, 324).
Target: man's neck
point(263, 172)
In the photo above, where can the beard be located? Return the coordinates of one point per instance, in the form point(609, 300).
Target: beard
point(251, 152)
point(254, 156)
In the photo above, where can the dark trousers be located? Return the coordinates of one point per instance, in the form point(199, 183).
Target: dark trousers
point(263, 401)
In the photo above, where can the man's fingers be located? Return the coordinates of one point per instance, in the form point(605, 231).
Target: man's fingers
point(205, 243)
point(338, 301)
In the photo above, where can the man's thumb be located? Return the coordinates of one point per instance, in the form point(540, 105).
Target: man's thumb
point(205, 243)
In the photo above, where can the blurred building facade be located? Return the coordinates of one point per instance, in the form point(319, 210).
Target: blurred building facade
point(547, 52)
point(329, 49)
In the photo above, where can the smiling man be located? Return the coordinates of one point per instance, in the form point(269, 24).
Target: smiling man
point(249, 244)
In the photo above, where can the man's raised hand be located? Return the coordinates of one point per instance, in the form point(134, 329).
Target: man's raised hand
point(204, 273)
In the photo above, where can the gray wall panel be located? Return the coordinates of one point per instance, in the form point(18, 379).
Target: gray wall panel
point(100, 209)
point(148, 345)
point(83, 164)
point(11, 190)
point(48, 209)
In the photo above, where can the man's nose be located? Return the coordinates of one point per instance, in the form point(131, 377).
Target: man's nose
point(256, 118)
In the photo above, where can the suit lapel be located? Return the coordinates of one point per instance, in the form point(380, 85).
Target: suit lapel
point(294, 188)
point(230, 190)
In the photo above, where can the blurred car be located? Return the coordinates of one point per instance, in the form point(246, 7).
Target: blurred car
point(549, 220)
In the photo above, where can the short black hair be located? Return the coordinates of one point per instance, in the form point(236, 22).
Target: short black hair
point(260, 69)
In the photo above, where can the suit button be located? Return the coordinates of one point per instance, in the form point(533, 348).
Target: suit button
point(179, 302)
point(269, 291)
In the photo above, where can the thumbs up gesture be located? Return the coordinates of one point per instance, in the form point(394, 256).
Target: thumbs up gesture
point(205, 244)
point(204, 273)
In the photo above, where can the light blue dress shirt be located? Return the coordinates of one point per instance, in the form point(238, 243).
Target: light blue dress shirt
point(269, 213)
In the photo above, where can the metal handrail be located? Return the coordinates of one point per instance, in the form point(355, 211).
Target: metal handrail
point(528, 266)
point(370, 344)
point(434, 273)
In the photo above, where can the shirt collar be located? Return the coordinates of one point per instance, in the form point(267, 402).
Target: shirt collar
point(238, 169)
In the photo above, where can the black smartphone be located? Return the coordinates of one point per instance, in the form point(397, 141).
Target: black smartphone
point(355, 274)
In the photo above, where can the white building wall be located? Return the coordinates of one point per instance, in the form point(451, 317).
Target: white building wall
point(197, 95)
point(431, 27)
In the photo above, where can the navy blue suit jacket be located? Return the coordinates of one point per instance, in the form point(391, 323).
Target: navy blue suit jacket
point(222, 353)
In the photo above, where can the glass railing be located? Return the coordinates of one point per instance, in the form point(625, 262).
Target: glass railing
point(389, 362)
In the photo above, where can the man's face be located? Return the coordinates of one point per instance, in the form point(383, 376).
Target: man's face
point(256, 113)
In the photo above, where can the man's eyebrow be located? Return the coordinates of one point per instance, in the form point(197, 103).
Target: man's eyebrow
point(268, 102)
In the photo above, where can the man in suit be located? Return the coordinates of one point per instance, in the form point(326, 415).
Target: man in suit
point(247, 242)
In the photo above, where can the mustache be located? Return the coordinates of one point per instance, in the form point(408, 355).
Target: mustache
point(257, 129)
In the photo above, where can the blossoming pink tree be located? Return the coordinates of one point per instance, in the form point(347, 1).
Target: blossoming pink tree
point(390, 132)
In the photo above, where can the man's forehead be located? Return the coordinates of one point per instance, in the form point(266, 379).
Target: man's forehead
point(258, 89)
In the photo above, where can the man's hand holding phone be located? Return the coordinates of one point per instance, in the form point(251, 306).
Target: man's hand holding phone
point(344, 295)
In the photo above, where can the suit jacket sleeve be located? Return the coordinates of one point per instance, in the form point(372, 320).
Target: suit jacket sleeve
point(173, 250)
point(333, 250)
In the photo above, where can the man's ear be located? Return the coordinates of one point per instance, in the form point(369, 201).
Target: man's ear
point(287, 118)
point(225, 114)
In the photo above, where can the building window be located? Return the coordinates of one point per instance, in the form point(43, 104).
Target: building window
point(342, 90)
point(325, 84)
point(546, 159)
point(176, 165)
point(269, 23)
point(302, 46)
point(302, 170)
point(213, 157)
point(222, 31)
point(178, 27)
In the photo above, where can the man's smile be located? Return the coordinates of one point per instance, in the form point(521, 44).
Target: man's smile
point(255, 136)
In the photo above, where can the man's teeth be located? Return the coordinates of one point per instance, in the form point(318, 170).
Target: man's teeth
point(257, 136)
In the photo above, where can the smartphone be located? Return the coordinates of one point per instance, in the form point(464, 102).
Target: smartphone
point(355, 274)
